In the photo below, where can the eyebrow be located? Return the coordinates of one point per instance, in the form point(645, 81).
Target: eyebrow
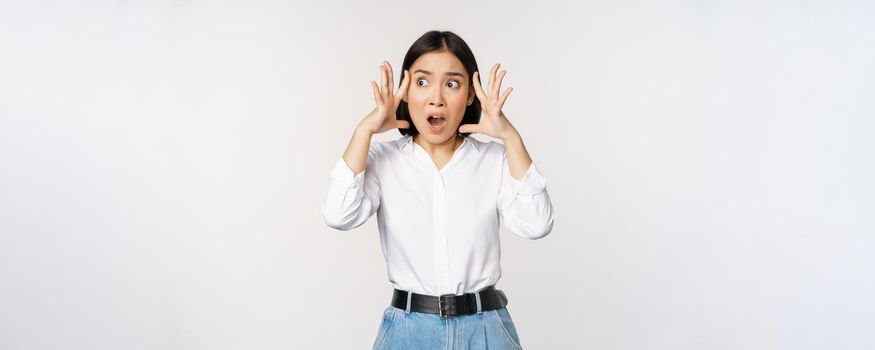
point(447, 73)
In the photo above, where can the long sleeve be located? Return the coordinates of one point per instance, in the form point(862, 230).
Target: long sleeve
point(525, 205)
point(351, 198)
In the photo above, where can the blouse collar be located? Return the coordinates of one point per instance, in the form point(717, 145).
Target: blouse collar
point(408, 140)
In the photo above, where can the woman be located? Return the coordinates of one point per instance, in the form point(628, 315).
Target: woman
point(439, 195)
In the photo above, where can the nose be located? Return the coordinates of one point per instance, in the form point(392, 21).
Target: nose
point(436, 97)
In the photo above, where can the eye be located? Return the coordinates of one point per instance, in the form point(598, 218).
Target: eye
point(453, 84)
point(422, 82)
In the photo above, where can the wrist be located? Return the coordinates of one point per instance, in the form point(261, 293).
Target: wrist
point(363, 130)
point(510, 135)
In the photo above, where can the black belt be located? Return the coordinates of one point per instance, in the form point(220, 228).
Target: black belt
point(449, 304)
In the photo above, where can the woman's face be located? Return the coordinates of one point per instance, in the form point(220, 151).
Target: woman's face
point(437, 96)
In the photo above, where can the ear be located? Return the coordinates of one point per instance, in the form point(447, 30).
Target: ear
point(471, 95)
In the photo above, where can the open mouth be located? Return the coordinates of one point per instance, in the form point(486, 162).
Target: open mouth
point(436, 120)
point(436, 123)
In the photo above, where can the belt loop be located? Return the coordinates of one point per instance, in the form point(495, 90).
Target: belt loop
point(479, 306)
point(409, 299)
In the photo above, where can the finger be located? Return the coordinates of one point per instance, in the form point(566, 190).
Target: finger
point(469, 128)
point(478, 90)
point(504, 97)
point(497, 87)
point(402, 124)
point(402, 90)
point(377, 96)
point(391, 78)
point(384, 75)
point(492, 77)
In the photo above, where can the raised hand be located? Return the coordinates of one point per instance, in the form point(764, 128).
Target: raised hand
point(382, 118)
point(493, 122)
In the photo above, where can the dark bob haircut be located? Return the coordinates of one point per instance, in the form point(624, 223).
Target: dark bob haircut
point(438, 41)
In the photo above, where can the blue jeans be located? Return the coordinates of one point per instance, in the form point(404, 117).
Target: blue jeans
point(493, 330)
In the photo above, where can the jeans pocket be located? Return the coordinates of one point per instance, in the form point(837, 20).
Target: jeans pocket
point(503, 317)
point(385, 325)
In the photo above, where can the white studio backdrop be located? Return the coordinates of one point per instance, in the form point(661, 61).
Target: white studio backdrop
point(163, 165)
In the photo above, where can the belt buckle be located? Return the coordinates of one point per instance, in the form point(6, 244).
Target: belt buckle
point(441, 305)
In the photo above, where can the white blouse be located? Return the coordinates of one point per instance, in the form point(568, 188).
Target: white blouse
point(439, 228)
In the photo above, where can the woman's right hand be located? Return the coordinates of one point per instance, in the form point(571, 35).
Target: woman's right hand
point(382, 118)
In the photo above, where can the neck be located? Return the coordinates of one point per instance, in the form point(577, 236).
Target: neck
point(447, 147)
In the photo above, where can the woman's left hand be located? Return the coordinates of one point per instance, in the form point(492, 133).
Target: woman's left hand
point(493, 122)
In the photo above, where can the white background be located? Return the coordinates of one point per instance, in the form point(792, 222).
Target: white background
point(163, 164)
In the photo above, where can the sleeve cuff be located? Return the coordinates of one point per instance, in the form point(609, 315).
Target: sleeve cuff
point(343, 175)
point(532, 183)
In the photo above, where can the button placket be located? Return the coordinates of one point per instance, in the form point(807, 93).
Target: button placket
point(440, 234)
